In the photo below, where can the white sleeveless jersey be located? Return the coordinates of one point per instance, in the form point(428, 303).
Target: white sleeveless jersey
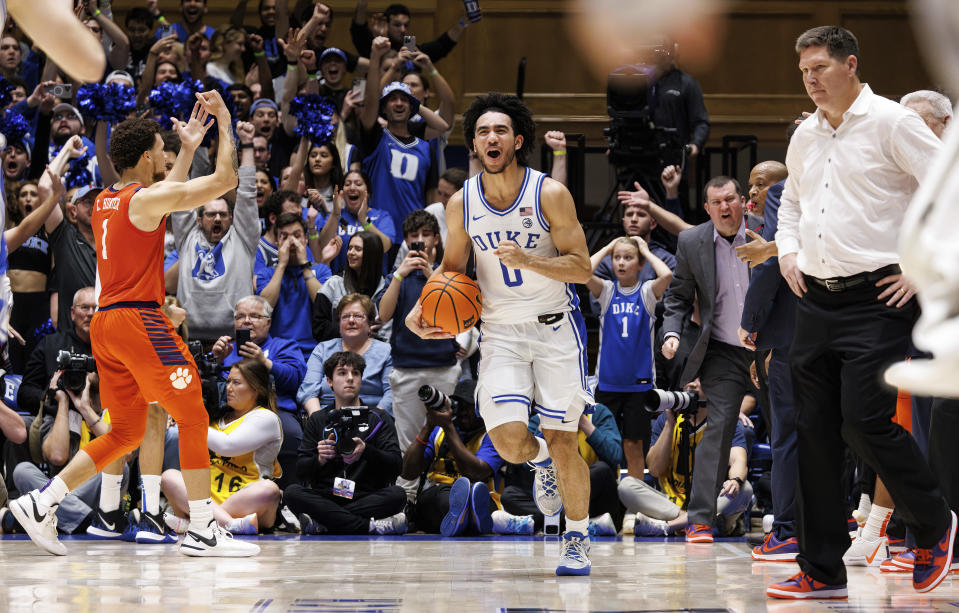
point(512, 295)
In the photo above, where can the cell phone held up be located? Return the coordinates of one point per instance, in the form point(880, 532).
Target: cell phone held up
point(418, 246)
point(359, 89)
point(60, 90)
point(242, 337)
point(410, 43)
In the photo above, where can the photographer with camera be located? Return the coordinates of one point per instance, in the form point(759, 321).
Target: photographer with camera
point(284, 362)
point(349, 461)
point(458, 459)
point(676, 436)
point(42, 364)
point(71, 418)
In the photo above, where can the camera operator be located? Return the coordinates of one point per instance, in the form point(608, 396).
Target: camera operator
point(71, 419)
point(283, 360)
point(348, 462)
point(676, 101)
point(460, 464)
point(671, 459)
point(42, 364)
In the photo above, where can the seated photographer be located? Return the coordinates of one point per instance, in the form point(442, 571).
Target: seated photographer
point(355, 315)
point(71, 418)
point(244, 439)
point(671, 458)
point(282, 358)
point(601, 445)
point(349, 461)
point(42, 363)
point(460, 465)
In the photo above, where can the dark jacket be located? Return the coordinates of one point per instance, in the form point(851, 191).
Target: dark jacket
point(694, 278)
point(378, 467)
point(770, 307)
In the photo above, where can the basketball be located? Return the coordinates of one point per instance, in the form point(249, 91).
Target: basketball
point(452, 302)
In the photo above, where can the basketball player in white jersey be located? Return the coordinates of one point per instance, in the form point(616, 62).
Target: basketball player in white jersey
point(530, 250)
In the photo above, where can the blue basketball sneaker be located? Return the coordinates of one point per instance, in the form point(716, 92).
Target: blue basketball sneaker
point(107, 525)
point(479, 506)
point(152, 529)
point(574, 555)
point(133, 526)
point(457, 519)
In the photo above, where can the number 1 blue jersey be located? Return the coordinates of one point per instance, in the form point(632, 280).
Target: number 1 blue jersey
point(625, 362)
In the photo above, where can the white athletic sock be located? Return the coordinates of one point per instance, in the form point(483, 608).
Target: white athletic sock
point(876, 524)
point(52, 493)
point(580, 525)
point(201, 514)
point(864, 505)
point(150, 489)
point(543, 454)
point(110, 492)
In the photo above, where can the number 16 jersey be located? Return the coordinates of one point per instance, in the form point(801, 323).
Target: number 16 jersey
point(512, 295)
point(129, 260)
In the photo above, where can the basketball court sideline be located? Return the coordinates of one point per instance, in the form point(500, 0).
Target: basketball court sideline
point(426, 573)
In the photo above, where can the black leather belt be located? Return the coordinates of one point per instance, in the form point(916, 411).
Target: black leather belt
point(552, 318)
point(841, 284)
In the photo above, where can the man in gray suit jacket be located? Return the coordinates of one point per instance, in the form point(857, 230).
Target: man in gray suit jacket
point(708, 270)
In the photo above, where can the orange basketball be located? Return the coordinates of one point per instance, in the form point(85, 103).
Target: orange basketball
point(452, 302)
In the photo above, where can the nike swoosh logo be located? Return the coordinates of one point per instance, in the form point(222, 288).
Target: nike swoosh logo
point(555, 328)
point(565, 421)
point(36, 512)
point(478, 218)
point(875, 551)
point(209, 542)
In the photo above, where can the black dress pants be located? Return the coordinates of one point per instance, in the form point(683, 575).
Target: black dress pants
point(340, 515)
point(844, 341)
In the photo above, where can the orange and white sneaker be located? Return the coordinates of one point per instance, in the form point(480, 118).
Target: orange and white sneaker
point(801, 586)
point(865, 551)
point(699, 533)
point(902, 562)
point(775, 550)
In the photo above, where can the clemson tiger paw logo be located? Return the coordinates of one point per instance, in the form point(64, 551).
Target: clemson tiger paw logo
point(180, 378)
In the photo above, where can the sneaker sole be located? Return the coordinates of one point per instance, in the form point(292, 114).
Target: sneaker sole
point(479, 505)
point(455, 520)
point(834, 594)
point(566, 571)
point(700, 540)
point(944, 571)
point(896, 568)
point(100, 533)
point(30, 526)
point(775, 557)
point(144, 537)
point(219, 552)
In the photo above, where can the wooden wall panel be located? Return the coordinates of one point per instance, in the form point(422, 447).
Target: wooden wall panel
point(754, 86)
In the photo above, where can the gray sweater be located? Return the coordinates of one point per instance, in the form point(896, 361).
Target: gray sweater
point(214, 277)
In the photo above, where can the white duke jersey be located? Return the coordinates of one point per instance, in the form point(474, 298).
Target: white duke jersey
point(512, 295)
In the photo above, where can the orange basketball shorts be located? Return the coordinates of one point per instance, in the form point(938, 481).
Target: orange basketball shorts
point(140, 358)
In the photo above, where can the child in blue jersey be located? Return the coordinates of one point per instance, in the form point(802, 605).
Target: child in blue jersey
point(625, 368)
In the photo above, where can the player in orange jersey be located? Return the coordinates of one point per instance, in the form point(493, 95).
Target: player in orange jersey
point(138, 354)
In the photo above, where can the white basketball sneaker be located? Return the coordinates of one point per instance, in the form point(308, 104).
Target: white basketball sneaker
point(866, 552)
point(217, 543)
point(546, 490)
point(42, 527)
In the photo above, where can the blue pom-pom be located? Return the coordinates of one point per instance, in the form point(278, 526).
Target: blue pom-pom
point(170, 100)
point(6, 92)
point(14, 127)
point(78, 172)
point(111, 103)
point(314, 118)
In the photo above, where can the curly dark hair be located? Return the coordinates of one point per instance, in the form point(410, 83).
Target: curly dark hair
point(130, 139)
point(518, 113)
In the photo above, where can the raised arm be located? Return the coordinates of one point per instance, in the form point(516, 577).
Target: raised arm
point(29, 226)
point(55, 29)
point(120, 51)
point(664, 275)
point(107, 172)
point(381, 45)
point(572, 265)
point(148, 206)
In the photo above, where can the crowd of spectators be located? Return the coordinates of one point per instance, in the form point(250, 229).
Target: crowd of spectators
point(294, 289)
